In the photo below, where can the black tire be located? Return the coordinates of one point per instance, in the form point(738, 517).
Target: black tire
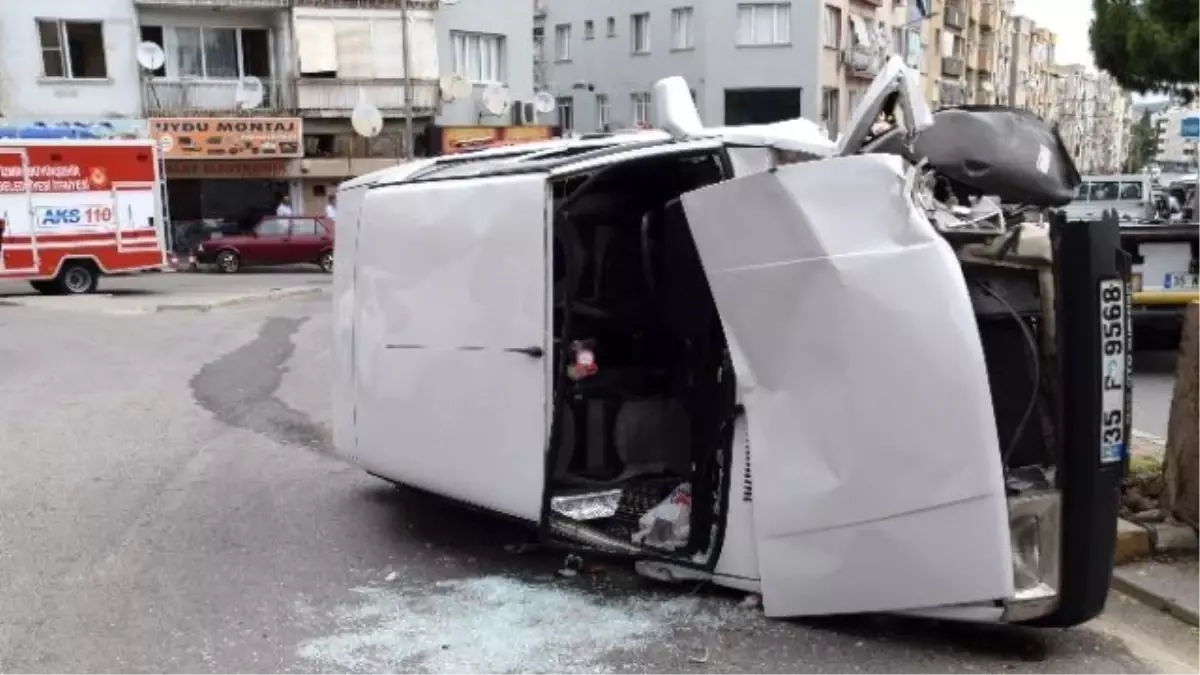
point(326, 262)
point(228, 262)
point(43, 287)
point(77, 277)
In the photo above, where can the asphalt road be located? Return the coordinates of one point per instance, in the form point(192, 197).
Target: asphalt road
point(166, 505)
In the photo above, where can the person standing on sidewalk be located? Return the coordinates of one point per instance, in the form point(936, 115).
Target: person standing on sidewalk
point(285, 206)
point(331, 207)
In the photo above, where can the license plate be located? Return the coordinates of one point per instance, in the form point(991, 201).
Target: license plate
point(1112, 370)
point(1180, 281)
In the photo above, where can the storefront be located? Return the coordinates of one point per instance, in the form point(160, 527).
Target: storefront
point(232, 169)
point(449, 140)
point(11, 127)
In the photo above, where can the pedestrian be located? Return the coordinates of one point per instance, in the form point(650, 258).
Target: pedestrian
point(285, 206)
point(331, 207)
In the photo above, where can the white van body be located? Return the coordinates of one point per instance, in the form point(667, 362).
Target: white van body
point(864, 468)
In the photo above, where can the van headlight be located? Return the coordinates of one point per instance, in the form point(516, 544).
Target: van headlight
point(1034, 524)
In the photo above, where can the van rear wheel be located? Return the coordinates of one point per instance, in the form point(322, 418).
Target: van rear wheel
point(77, 277)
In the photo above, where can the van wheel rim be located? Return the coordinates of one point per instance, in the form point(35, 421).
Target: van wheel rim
point(77, 280)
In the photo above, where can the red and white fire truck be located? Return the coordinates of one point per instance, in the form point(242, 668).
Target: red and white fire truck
point(73, 210)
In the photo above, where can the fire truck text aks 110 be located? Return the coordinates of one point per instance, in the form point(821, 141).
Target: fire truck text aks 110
point(72, 210)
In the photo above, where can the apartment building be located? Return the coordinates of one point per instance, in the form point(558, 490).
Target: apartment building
point(1032, 82)
point(1094, 117)
point(1174, 152)
point(252, 99)
point(69, 60)
point(747, 62)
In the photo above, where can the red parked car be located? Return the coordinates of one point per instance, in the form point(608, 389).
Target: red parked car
point(276, 240)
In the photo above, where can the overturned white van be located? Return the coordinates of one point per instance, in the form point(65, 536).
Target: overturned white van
point(751, 356)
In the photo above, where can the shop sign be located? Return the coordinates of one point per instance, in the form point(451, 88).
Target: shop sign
point(226, 138)
point(247, 169)
point(460, 139)
point(51, 128)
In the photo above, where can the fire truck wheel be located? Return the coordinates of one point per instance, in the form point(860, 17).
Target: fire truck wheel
point(228, 262)
point(77, 277)
point(326, 262)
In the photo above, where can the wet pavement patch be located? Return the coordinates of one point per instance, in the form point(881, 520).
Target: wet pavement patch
point(239, 388)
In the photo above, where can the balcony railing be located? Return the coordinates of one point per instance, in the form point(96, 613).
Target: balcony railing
point(953, 66)
point(191, 97)
point(336, 98)
point(952, 94)
point(861, 62)
point(956, 16)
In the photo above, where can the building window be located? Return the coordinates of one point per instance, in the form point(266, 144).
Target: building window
point(764, 23)
point(639, 33)
point(212, 53)
point(589, 30)
point(72, 49)
point(830, 109)
point(562, 42)
point(641, 108)
point(566, 114)
point(832, 33)
point(478, 57)
point(603, 112)
point(681, 28)
point(611, 27)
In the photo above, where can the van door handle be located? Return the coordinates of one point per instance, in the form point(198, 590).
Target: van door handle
point(535, 352)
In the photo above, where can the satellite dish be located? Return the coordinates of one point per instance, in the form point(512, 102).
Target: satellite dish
point(366, 120)
point(453, 87)
point(249, 93)
point(496, 99)
point(544, 102)
point(150, 56)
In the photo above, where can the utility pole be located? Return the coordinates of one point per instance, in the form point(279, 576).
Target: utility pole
point(405, 32)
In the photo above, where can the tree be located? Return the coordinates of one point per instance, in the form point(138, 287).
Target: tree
point(1148, 45)
point(1143, 144)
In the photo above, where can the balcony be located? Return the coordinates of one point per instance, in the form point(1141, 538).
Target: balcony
point(956, 16)
point(178, 98)
point(951, 94)
point(870, 3)
point(987, 59)
point(861, 62)
point(318, 97)
point(216, 4)
point(953, 66)
point(988, 16)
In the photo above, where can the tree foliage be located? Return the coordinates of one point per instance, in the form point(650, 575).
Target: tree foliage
point(1148, 45)
point(1143, 144)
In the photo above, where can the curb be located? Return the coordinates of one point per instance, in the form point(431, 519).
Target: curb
point(1137, 542)
point(1155, 600)
point(273, 294)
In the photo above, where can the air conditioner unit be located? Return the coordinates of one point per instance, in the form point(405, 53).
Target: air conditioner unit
point(524, 112)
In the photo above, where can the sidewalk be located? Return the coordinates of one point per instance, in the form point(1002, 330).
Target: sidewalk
point(152, 293)
point(1155, 557)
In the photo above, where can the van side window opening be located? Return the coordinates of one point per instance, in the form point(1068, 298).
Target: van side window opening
point(1105, 191)
point(1131, 190)
point(1081, 192)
